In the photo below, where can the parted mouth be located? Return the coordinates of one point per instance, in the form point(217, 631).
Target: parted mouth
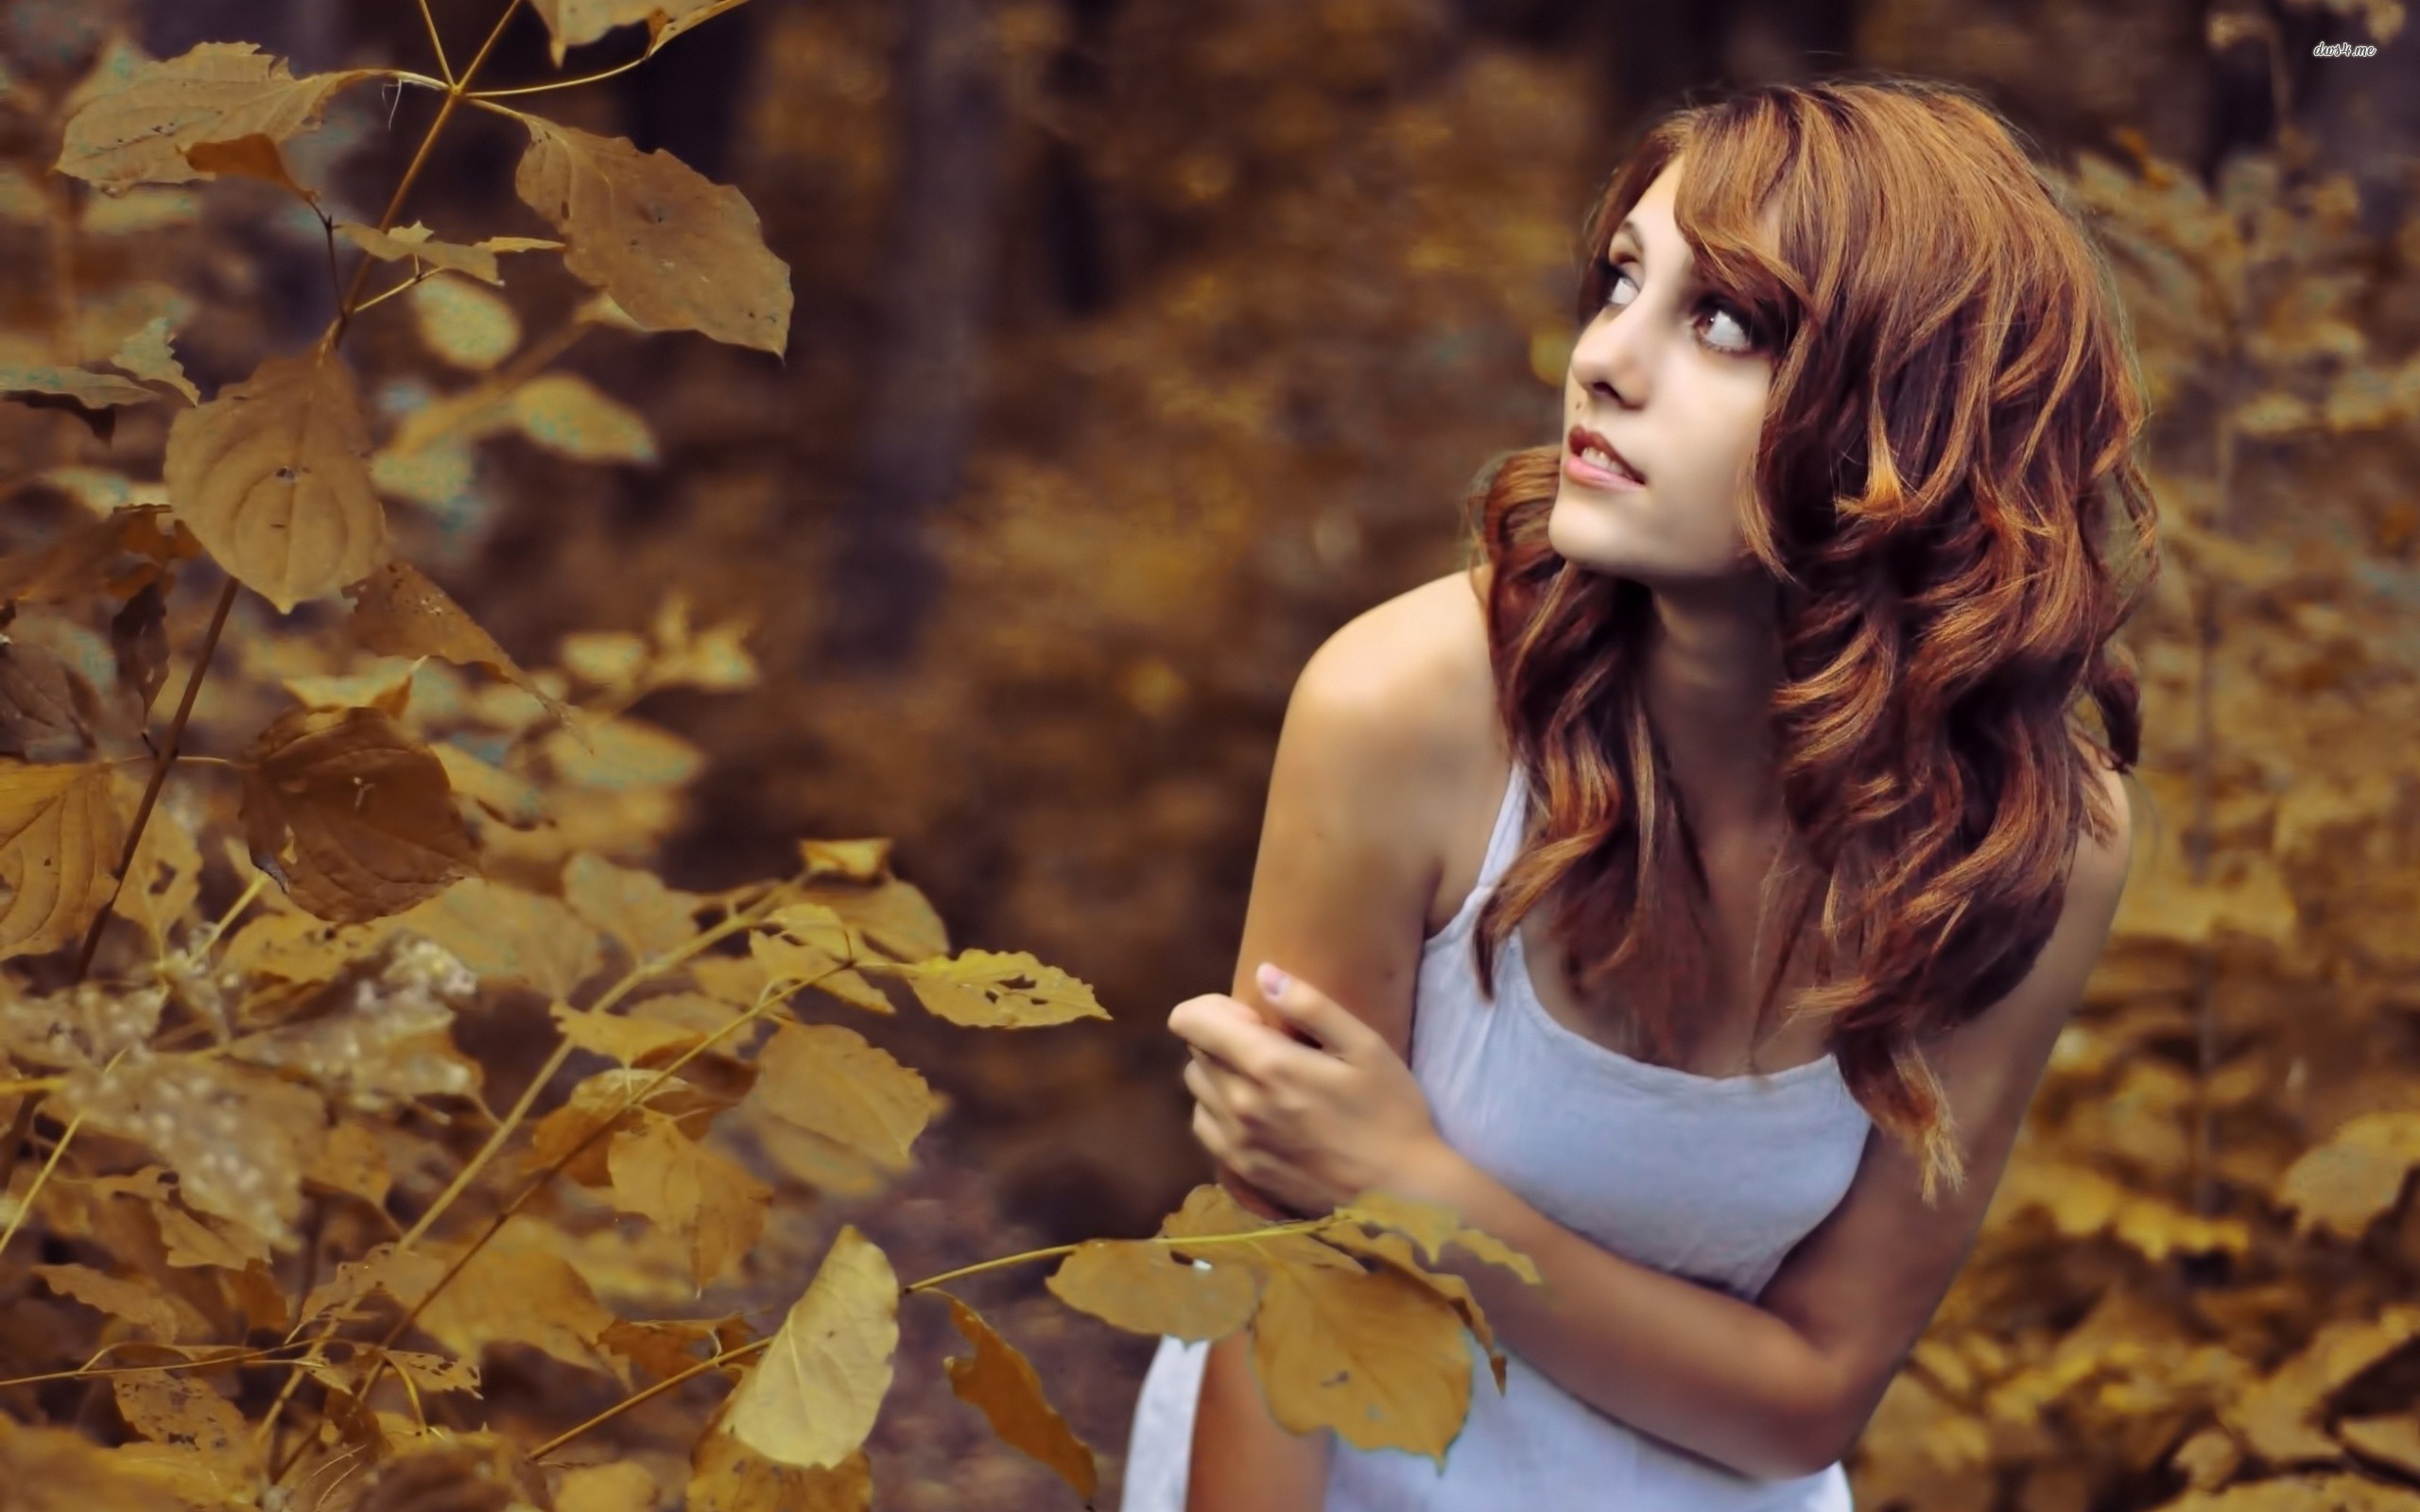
point(1589, 446)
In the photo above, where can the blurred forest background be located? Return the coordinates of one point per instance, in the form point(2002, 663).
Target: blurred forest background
point(1138, 344)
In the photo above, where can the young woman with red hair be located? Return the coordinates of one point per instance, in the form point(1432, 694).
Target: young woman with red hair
point(1691, 893)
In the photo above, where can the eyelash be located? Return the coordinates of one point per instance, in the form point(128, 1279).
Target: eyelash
point(1612, 270)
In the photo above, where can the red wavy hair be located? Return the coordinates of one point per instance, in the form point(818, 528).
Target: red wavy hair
point(1948, 502)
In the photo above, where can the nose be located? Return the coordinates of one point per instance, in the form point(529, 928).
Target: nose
point(1610, 360)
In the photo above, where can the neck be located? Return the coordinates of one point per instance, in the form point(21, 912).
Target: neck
point(1712, 667)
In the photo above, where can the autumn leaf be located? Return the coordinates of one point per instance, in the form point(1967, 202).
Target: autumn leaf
point(134, 132)
point(464, 324)
point(566, 414)
point(515, 1291)
point(148, 355)
point(90, 557)
point(400, 610)
point(508, 933)
point(725, 1475)
point(417, 243)
point(91, 397)
point(973, 989)
point(649, 918)
point(576, 23)
point(784, 960)
point(59, 847)
point(139, 1303)
point(355, 813)
point(620, 1097)
point(1138, 1285)
point(2354, 1177)
point(254, 155)
point(676, 251)
point(273, 476)
point(1392, 1250)
point(1432, 1227)
point(700, 1197)
point(626, 1037)
point(1000, 1383)
point(236, 1138)
point(1374, 1355)
point(829, 1081)
point(183, 1412)
point(2280, 1416)
point(814, 1394)
point(55, 1470)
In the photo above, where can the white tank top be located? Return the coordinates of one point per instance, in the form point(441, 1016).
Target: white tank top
point(1713, 1179)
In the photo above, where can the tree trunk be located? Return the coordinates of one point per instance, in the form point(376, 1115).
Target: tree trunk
point(883, 579)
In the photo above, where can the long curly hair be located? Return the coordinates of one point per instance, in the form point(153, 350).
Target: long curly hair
point(1949, 504)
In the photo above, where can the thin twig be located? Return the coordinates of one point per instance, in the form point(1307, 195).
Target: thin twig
point(564, 84)
point(437, 43)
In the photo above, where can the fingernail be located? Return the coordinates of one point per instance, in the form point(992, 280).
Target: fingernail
point(1273, 981)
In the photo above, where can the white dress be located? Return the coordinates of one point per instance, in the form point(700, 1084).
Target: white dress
point(1713, 1179)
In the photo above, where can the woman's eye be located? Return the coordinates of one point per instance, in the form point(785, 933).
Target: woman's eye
point(1618, 273)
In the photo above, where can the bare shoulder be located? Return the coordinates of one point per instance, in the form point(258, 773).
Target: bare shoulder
point(1411, 676)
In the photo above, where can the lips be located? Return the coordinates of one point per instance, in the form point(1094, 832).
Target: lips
point(1584, 439)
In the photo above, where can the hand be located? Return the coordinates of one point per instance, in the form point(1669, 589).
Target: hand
point(1311, 1124)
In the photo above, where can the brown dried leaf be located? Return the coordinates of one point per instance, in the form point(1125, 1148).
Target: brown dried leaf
point(676, 251)
point(700, 1197)
point(236, 1138)
point(973, 988)
point(91, 397)
point(354, 815)
point(726, 1476)
point(404, 1275)
point(54, 1470)
point(577, 23)
point(148, 355)
point(2354, 1178)
point(628, 1038)
point(59, 843)
point(632, 905)
point(517, 1292)
point(399, 610)
point(829, 1081)
point(417, 243)
point(134, 1301)
point(133, 133)
point(183, 1412)
point(2391, 1441)
point(622, 1485)
point(601, 1100)
point(273, 476)
point(1141, 1287)
point(1001, 1384)
point(87, 559)
point(254, 155)
point(165, 878)
point(1375, 1356)
point(814, 1394)
point(48, 710)
point(351, 1160)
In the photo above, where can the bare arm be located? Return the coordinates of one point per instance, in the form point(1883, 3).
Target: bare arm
point(1342, 901)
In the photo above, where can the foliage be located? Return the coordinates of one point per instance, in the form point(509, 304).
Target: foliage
point(272, 1080)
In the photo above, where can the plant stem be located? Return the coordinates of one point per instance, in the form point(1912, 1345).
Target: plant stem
point(166, 759)
point(650, 1393)
point(565, 83)
point(437, 43)
point(18, 1218)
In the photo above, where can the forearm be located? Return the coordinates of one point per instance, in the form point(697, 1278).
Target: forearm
point(1685, 1363)
point(1243, 1459)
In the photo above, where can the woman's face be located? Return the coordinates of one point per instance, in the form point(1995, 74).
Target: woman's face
point(1669, 375)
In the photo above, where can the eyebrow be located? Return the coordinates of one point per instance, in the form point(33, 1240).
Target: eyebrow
point(1696, 277)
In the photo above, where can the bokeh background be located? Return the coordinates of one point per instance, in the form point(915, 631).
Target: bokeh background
point(1140, 343)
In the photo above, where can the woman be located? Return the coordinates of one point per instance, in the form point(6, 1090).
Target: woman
point(1766, 695)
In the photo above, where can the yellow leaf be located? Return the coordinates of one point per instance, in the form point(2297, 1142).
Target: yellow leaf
point(54, 1470)
point(59, 840)
point(1374, 1355)
point(355, 813)
point(2279, 1416)
point(139, 1304)
point(273, 477)
point(464, 323)
point(829, 1081)
point(700, 1197)
point(787, 960)
point(676, 251)
point(605, 1098)
point(2354, 1177)
point(253, 155)
point(626, 1038)
point(147, 354)
point(2392, 1442)
point(1000, 1383)
point(134, 133)
point(725, 1476)
point(1393, 1250)
point(973, 988)
point(1433, 1226)
point(236, 1138)
point(183, 1411)
point(2311, 1492)
point(634, 906)
point(812, 1399)
point(514, 1292)
point(503, 932)
point(417, 243)
point(1141, 1287)
point(620, 1486)
point(1245, 1237)
point(577, 23)
point(567, 414)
